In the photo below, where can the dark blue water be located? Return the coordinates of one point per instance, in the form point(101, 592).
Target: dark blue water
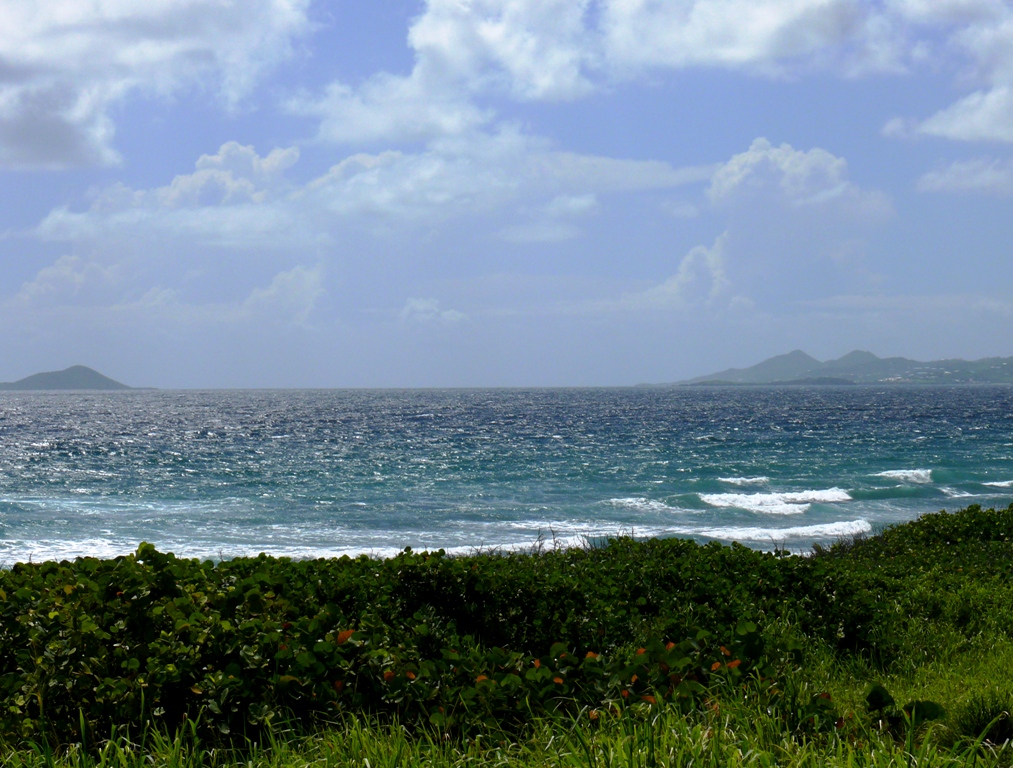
point(309, 473)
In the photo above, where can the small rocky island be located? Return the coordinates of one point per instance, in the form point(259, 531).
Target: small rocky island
point(77, 377)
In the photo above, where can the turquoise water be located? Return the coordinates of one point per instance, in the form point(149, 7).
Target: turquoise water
point(320, 473)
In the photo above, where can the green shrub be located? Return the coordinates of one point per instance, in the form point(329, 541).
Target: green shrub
point(483, 641)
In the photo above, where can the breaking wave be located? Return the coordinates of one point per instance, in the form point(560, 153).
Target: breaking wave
point(824, 531)
point(907, 475)
point(787, 503)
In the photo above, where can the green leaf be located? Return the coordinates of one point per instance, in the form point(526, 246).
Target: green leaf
point(877, 698)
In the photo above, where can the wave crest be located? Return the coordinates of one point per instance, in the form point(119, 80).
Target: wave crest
point(907, 475)
point(787, 503)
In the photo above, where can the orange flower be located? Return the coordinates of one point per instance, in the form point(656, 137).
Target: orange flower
point(649, 699)
point(641, 651)
point(557, 680)
point(669, 646)
point(480, 678)
point(344, 636)
point(593, 714)
point(633, 679)
point(591, 655)
point(410, 675)
point(624, 693)
point(715, 666)
point(725, 651)
point(538, 663)
point(734, 664)
point(388, 676)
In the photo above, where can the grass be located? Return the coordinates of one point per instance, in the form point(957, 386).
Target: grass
point(729, 735)
point(737, 727)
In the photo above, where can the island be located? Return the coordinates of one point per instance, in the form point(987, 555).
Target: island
point(860, 367)
point(77, 377)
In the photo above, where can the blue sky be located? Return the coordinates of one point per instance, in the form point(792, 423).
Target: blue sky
point(286, 193)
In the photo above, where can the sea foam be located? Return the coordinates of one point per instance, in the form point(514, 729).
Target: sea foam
point(761, 480)
point(840, 529)
point(907, 475)
point(646, 505)
point(787, 503)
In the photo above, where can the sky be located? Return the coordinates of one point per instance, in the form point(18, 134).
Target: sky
point(445, 193)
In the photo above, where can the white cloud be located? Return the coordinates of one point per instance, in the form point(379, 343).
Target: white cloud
point(981, 116)
point(65, 63)
point(978, 38)
point(427, 311)
point(292, 295)
point(760, 35)
point(70, 280)
point(571, 205)
point(701, 279)
point(238, 199)
point(87, 291)
point(533, 49)
point(529, 49)
point(234, 199)
point(813, 178)
point(551, 50)
point(548, 50)
point(390, 108)
point(981, 175)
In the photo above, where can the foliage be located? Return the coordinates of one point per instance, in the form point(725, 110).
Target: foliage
point(487, 642)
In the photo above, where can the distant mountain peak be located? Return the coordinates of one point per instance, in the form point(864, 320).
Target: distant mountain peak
point(857, 357)
point(861, 367)
point(75, 377)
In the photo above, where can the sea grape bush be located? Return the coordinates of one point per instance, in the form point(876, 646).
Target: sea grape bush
point(150, 638)
point(464, 642)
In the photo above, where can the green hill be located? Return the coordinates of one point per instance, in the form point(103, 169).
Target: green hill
point(75, 377)
point(861, 367)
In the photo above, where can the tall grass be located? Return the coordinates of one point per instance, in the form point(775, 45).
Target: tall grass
point(729, 734)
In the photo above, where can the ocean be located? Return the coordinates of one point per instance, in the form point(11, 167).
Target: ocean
point(320, 473)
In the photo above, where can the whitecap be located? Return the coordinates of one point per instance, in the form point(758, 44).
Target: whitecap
point(953, 493)
point(787, 503)
point(1001, 484)
point(645, 505)
point(907, 475)
point(822, 531)
point(761, 480)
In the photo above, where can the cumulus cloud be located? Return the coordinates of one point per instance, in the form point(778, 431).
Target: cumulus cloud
point(978, 38)
point(811, 178)
point(112, 295)
point(981, 175)
point(469, 53)
point(236, 198)
point(390, 108)
point(64, 64)
point(981, 116)
point(70, 280)
point(759, 35)
point(552, 50)
point(427, 312)
point(700, 280)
